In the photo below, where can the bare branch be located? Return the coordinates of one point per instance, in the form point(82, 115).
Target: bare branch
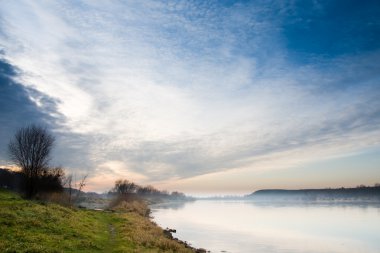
point(30, 149)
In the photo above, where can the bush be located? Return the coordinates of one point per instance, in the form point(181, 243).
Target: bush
point(50, 181)
point(130, 203)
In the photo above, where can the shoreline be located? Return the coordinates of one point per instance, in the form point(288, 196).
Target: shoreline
point(168, 233)
point(38, 226)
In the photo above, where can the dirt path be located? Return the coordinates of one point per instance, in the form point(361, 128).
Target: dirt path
point(112, 232)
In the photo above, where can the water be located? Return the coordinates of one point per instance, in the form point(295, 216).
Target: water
point(245, 226)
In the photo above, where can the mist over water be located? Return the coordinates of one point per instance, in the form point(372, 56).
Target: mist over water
point(246, 226)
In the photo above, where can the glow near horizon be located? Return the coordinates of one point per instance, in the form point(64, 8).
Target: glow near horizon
point(186, 95)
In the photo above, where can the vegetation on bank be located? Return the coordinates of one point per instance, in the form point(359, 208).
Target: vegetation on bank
point(126, 190)
point(33, 226)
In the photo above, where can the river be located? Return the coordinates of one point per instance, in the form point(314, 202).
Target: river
point(246, 226)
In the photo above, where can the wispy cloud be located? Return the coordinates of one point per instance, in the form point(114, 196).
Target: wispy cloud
point(162, 91)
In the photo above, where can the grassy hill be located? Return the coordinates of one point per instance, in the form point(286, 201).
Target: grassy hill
point(31, 226)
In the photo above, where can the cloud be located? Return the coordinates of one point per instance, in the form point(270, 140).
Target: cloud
point(20, 106)
point(177, 90)
point(107, 173)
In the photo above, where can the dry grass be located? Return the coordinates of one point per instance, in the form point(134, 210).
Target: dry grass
point(130, 203)
point(148, 235)
point(134, 206)
point(60, 198)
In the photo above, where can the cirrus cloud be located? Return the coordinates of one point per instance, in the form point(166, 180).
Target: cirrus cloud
point(166, 91)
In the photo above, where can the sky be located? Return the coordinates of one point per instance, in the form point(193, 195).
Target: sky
point(204, 97)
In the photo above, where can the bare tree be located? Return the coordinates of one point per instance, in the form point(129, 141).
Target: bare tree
point(75, 189)
point(69, 184)
point(81, 185)
point(30, 149)
point(123, 187)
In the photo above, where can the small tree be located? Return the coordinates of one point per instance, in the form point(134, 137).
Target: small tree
point(30, 149)
point(78, 187)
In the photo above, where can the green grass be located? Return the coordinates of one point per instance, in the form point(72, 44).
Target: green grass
point(31, 226)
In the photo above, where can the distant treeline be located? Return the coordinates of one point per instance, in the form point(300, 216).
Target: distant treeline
point(11, 180)
point(127, 188)
point(362, 192)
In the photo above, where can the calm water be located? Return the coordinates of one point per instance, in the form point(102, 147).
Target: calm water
point(243, 226)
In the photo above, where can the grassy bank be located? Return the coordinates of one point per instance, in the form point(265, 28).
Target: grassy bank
point(31, 226)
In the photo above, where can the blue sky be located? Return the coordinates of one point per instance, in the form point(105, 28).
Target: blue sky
point(205, 97)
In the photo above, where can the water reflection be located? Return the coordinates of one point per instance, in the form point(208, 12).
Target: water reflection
point(247, 226)
point(169, 205)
